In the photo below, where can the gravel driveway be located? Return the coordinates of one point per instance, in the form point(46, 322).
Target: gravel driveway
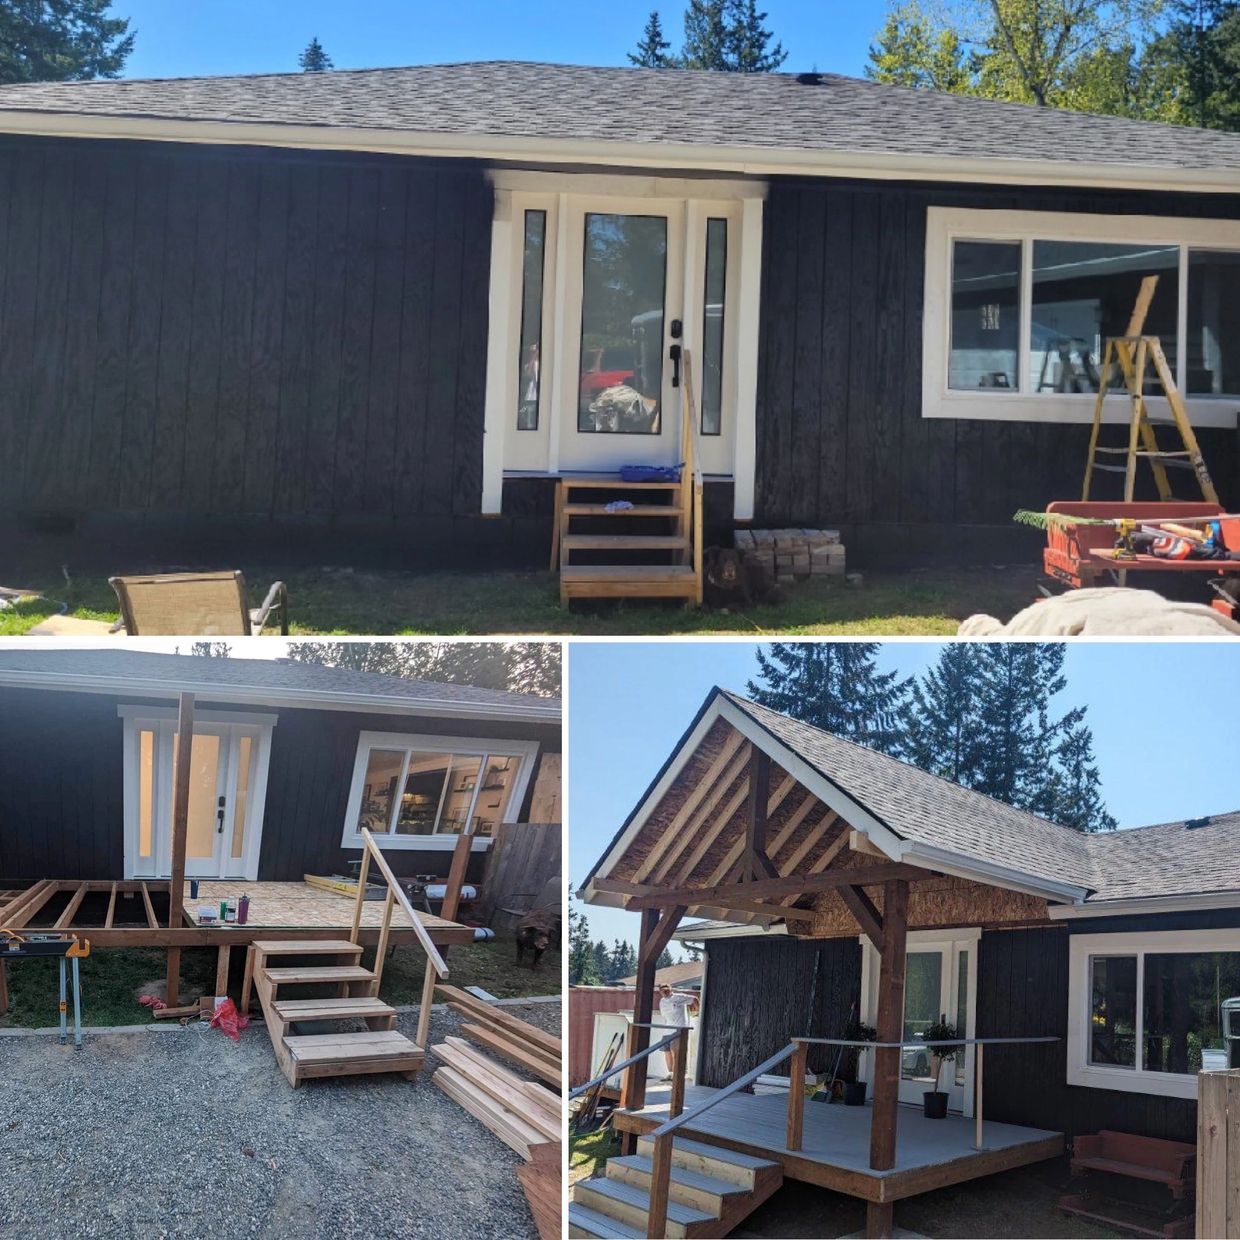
point(176, 1132)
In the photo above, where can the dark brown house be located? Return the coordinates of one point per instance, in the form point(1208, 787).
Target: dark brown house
point(385, 309)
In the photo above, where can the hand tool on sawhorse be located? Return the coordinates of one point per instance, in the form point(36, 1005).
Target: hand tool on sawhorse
point(70, 949)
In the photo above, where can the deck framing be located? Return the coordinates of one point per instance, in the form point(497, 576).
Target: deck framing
point(881, 1188)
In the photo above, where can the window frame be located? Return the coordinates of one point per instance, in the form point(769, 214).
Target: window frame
point(1083, 948)
point(526, 753)
point(947, 225)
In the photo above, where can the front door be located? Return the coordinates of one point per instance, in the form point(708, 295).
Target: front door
point(624, 295)
point(227, 766)
point(939, 983)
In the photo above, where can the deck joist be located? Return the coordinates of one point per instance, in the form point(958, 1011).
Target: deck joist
point(297, 910)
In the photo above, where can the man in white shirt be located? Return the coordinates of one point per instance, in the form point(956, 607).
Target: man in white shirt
point(675, 1007)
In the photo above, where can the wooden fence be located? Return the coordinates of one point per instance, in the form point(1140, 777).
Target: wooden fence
point(1218, 1155)
point(524, 857)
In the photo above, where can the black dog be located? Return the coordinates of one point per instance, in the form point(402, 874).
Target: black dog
point(732, 580)
point(536, 932)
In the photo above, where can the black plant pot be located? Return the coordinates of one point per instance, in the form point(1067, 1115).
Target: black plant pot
point(854, 1093)
point(934, 1104)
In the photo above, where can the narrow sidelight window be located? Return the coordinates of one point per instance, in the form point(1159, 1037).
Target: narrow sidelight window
point(985, 329)
point(714, 300)
point(533, 265)
point(1113, 1011)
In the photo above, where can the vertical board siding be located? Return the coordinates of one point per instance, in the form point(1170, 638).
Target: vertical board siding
point(761, 993)
point(523, 858)
point(62, 786)
point(240, 332)
point(841, 438)
point(1022, 991)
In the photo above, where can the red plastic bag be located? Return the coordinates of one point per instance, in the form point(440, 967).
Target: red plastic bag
point(229, 1020)
point(154, 1002)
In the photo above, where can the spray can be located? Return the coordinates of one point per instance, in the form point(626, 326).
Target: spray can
point(243, 910)
point(223, 911)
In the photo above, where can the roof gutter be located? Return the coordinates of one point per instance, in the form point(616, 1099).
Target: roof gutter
point(266, 695)
point(932, 858)
point(738, 160)
point(1137, 905)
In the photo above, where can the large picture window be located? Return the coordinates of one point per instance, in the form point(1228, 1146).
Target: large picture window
point(421, 792)
point(1019, 306)
point(1145, 1008)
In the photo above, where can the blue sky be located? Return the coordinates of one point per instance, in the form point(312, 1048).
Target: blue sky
point(190, 37)
point(1163, 718)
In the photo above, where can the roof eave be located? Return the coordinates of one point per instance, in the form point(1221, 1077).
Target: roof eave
point(535, 149)
point(1137, 905)
point(267, 695)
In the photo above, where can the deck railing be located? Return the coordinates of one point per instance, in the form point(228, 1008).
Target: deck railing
point(436, 967)
point(798, 1051)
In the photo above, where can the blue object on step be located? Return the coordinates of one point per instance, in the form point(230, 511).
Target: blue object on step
point(650, 473)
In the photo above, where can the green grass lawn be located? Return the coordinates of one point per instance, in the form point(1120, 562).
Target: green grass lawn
point(929, 602)
point(588, 1152)
point(112, 980)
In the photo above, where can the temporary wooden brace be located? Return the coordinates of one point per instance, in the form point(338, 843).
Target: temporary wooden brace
point(1133, 352)
point(180, 831)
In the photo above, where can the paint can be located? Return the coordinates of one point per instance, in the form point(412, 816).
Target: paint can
point(243, 910)
point(193, 889)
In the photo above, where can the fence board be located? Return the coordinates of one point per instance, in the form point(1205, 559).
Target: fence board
point(523, 858)
point(1218, 1155)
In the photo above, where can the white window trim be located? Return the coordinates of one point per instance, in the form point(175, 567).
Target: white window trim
point(559, 195)
point(137, 719)
point(525, 751)
point(951, 941)
point(1081, 948)
point(945, 225)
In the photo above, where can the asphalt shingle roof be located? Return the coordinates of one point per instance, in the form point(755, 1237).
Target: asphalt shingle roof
point(128, 666)
point(1162, 860)
point(761, 112)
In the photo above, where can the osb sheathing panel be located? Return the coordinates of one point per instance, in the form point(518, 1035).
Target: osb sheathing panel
point(933, 903)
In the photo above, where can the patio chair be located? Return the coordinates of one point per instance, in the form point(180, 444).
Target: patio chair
point(195, 605)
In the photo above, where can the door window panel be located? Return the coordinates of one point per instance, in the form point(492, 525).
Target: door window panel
point(962, 1009)
point(923, 1005)
point(985, 330)
point(241, 797)
point(1083, 292)
point(1113, 1011)
point(624, 281)
point(146, 795)
point(204, 772)
point(712, 326)
point(532, 268)
point(1212, 351)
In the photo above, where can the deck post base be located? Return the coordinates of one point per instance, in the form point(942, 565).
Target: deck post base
point(878, 1219)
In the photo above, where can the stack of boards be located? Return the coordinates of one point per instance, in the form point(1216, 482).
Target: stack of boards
point(525, 1115)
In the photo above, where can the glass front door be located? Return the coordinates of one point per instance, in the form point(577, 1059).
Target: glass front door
point(620, 380)
point(936, 985)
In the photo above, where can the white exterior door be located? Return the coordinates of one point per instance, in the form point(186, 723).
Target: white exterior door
point(227, 784)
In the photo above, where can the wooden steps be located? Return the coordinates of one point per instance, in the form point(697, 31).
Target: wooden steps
point(624, 542)
point(628, 581)
point(710, 1192)
point(304, 1056)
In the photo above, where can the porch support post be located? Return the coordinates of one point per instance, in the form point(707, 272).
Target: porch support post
point(890, 1026)
point(456, 879)
point(633, 1085)
point(879, 1222)
point(180, 828)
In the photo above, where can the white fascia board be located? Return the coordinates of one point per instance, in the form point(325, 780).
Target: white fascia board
point(268, 696)
point(689, 935)
point(932, 858)
point(745, 161)
point(1146, 904)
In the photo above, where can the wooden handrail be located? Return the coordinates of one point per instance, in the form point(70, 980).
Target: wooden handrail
point(624, 1063)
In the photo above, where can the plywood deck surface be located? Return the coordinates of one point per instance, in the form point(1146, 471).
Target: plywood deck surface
point(839, 1136)
point(285, 905)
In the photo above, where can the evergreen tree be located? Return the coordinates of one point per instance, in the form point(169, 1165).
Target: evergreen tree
point(653, 52)
point(835, 686)
point(61, 41)
point(707, 35)
point(941, 720)
point(602, 962)
point(693, 952)
point(314, 59)
point(623, 960)
point(665, 960)
point(1079, 802)
point(581, 966)
point(1199, 56)
point(911, 51)
point(749, 42)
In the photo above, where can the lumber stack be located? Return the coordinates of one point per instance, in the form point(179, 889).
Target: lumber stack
point(543, 1180)
point(794, 554)
point(521, 1043)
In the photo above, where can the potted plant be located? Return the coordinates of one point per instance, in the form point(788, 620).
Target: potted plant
point(854, 1090)
point(934, 1102)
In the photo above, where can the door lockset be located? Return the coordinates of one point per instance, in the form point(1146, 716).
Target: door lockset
point(219, 814)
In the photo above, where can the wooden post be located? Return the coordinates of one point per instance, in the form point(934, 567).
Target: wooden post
point(759, 864)
point(890, 1026)
point(456, 878)
point(428, 997)
point(247, 979)
point(355, 934)
point(660, 1184)
point(977, 1098)
point(680, 1062)
point(879, 1222)
point(796, 1095)
point(221, 970)
point(382, 946)
point(643, 1009)
point(180, 829)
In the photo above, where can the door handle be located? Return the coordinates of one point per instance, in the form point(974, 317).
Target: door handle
point(674, 353)
point(219, 815)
